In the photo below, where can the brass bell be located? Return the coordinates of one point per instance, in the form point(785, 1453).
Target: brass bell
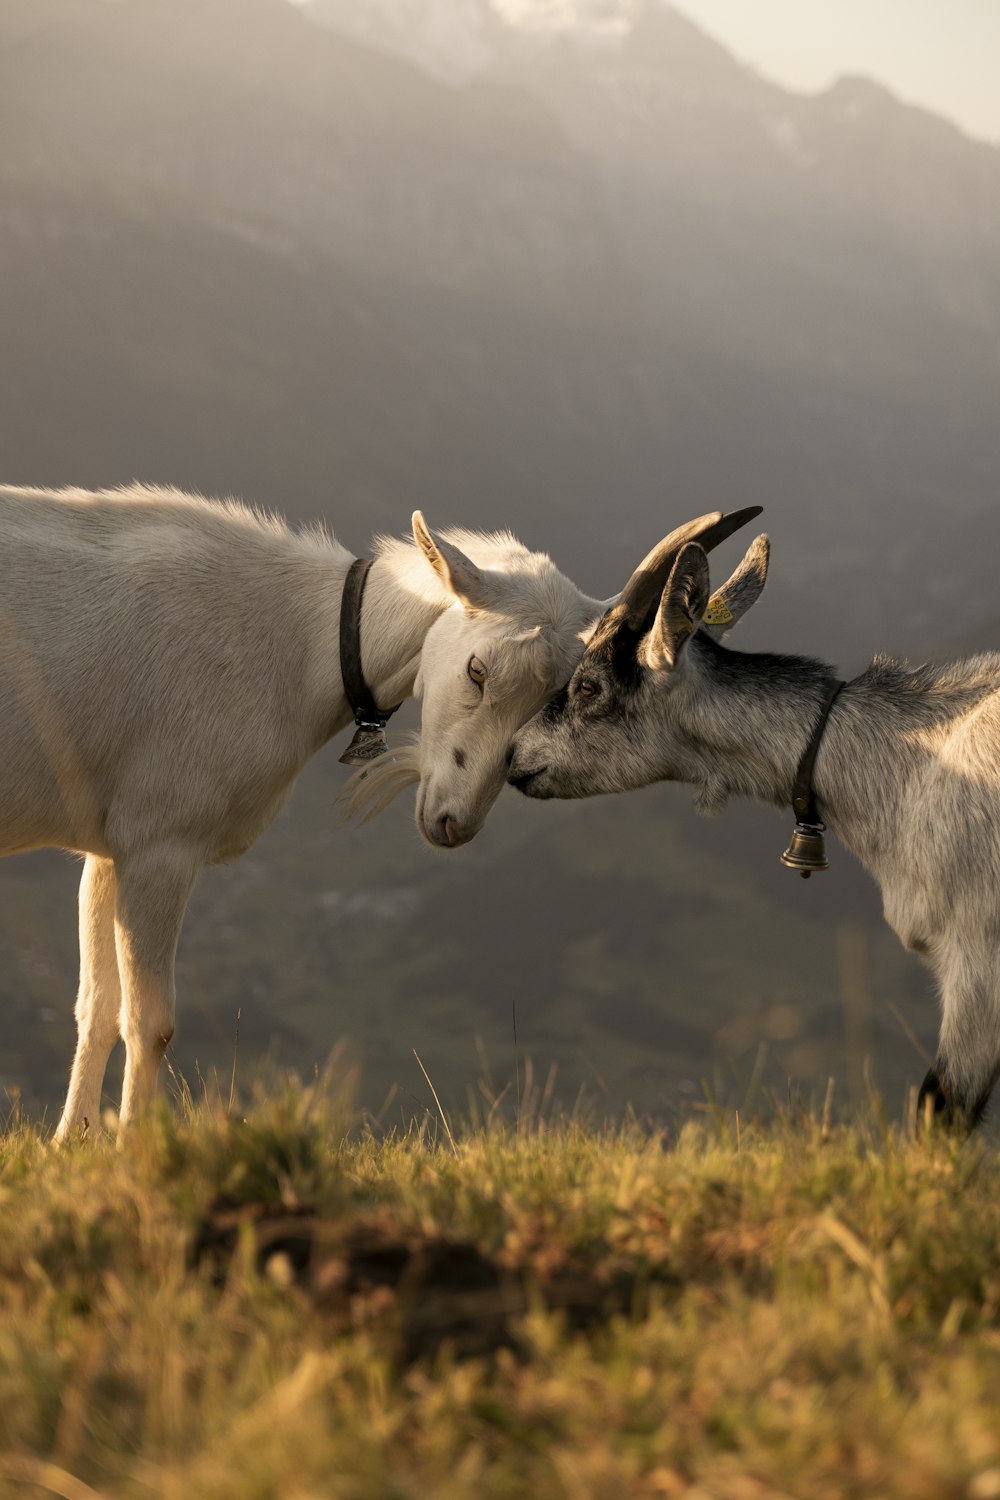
point(806, 852)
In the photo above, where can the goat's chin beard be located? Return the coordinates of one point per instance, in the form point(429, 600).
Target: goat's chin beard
point(370, 790)
point(710, 797)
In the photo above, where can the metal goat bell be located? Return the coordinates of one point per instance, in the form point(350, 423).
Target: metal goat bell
point(368, 744)
point(806, 852)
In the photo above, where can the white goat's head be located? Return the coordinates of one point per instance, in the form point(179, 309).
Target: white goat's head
point(510, 633)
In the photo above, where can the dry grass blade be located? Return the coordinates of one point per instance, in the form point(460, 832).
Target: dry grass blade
point(437, 1101)
point(236, 1052)
point(909, 1033)
point(46, 1476)
point(872, 1269)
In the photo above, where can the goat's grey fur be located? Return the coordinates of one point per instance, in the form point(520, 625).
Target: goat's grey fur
point(908, 777)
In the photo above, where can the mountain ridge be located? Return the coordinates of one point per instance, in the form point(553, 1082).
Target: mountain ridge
point(418, 31)
point(244, 255)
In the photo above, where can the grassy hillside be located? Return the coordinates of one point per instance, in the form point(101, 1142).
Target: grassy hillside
point(265, 1303)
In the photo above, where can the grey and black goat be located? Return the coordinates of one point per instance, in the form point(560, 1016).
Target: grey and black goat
point(907, 772)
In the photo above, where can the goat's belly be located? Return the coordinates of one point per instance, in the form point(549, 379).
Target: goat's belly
point(214, 805)
point(111, 770)
point(31, 822)
point(235, 835)
point(47, 801)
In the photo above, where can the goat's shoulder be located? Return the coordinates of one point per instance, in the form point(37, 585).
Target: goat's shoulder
point(964, 682)
point(952, 707)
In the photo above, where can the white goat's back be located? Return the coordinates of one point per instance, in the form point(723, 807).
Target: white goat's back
point(148, 644)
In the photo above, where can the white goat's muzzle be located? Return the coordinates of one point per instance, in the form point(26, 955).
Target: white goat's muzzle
point(448, 816)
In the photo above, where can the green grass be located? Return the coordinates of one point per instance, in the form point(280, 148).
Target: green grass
point(272, 1303)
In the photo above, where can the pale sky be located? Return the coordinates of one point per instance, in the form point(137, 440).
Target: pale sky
point(943, 54)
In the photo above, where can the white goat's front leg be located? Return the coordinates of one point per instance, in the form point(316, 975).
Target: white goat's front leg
point(968, 1057)
point(153, 891)
point(98, 1001)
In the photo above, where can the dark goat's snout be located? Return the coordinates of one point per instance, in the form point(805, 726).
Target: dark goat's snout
point(521, 778)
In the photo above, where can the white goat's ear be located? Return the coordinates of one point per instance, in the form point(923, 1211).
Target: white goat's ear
point(682, 606)
point(729, 604)
point(459, 576)
point(596, 611)
point(543, 656)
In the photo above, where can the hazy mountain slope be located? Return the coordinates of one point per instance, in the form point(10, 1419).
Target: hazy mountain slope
point(638, 949)
point(454, 41)
point(637, 274)
point(326, 264)
point(586, 295)
point(823, 271)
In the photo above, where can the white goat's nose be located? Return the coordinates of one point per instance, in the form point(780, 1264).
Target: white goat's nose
point(448, 830)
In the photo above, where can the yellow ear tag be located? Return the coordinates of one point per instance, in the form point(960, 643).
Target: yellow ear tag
point(718, 612)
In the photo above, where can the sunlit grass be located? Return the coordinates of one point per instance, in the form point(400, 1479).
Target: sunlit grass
point(802, 1309)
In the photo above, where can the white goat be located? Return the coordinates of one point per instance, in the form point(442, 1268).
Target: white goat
point(907, 775)
point(167, 666)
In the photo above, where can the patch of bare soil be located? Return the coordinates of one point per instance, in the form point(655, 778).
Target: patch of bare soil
point(422, 1290)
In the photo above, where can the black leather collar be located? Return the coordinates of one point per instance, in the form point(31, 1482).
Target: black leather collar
point(803, 796)
point(369, 718)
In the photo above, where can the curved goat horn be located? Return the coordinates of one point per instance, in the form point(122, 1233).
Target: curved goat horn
point(640, 597)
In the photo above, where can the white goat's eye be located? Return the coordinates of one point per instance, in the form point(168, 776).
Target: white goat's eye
point(476, 671)
point(587, 687)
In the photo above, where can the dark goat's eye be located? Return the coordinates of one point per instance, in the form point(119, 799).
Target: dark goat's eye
point(476, 671)
point(588, 687)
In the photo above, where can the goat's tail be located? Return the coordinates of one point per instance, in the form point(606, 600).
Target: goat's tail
point(370, 790)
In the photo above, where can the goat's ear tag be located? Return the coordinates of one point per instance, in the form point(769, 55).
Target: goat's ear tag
point(368, 744)
point(718, 612)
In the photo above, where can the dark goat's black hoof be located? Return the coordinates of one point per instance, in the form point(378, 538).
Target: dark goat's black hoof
point(948, 1112)
point(933, 1088)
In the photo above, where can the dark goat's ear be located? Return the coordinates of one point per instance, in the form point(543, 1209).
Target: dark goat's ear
point(682, 605)
point(729, 604)
point(638, 601)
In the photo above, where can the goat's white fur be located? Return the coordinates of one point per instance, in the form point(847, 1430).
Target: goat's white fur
point(167, 666)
